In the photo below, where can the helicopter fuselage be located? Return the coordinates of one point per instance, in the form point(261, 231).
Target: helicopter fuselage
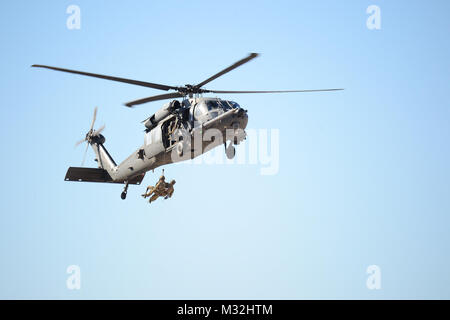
point(196, 127)
point(176, 132)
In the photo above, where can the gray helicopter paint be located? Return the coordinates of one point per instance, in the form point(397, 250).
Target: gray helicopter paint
point(153, 155)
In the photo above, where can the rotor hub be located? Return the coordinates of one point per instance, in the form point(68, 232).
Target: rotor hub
point(190, 89)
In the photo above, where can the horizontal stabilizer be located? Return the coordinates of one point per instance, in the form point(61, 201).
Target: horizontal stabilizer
point(96, 175)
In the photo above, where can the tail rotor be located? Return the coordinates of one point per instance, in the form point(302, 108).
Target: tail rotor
point(90, 136)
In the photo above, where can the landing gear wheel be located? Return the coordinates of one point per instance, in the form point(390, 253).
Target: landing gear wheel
point(230, 151)
point(123, 195)
point(180, 149)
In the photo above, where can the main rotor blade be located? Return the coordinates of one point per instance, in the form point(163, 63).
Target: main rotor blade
point(275, 91)
point(233, 66)
point(154, 98)
point(93, 119)
point(130, 81)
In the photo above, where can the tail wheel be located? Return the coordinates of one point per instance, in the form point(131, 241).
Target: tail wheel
point(123, 195)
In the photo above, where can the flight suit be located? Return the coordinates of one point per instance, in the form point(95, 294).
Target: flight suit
point(156, 190)
point(161, 189)
point(169, 189)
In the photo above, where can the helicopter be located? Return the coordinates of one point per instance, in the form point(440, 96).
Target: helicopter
point(180, 130)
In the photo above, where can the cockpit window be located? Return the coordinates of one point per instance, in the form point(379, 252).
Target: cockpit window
point(198, 111)
point(210, 109)
point(221, 104)
point(234, 104)
point(212, 105)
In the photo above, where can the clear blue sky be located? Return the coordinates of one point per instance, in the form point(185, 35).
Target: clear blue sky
point(363, 177)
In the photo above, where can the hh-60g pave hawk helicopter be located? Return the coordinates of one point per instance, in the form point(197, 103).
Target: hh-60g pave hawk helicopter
point(174, 133)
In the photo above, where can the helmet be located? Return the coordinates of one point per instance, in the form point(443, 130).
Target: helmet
point(172, 182)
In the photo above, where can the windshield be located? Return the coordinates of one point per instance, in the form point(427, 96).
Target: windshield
point(212, 105)
point(234, 104)
point(221, 104)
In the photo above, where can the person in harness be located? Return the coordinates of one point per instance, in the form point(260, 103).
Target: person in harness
point(161, 189)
